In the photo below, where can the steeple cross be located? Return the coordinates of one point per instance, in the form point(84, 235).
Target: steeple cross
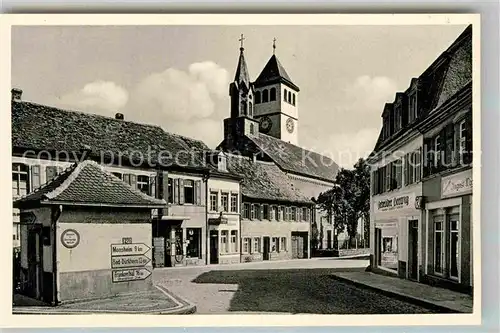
point(274, 45)
point(241, 40)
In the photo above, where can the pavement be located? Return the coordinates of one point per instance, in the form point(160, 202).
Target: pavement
point(158, 300)
point(440, 299)
point(284, 287)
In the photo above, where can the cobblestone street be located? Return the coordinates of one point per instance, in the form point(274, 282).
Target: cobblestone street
point(300, 286)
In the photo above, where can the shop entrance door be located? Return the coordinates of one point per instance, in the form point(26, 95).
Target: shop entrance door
point(378, 246)
point(214, 247)
point(413, 249)
point(35, 265)
point(267, 245)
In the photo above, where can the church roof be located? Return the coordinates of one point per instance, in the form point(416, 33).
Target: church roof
point(88, 183)
point(295, 159)
point(41, 127)
point(264, 180)
point(241, 75)
point(274, 72)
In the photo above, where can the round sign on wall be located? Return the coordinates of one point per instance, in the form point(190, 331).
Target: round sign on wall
point(70, 238)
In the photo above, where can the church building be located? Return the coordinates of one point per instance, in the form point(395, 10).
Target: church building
point(262, 133)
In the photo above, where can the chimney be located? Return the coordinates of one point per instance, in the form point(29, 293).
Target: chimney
point(16, 94)
point(119, 116)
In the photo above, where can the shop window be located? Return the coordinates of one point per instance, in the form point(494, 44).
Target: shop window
point(214, 198)
point(246, 211)
point(193, 247)
point(389, 247)
point(223, 240)
point(247, 243)
point(224, 199)
point(454, 245)
point(438, 244)
point(275, 244)
point(20, 182)
point(283, 244)
point(143, 184)
point(234, 241)
point(188, 191)
point(178, 241)
point(234, 202)
point(256, 245)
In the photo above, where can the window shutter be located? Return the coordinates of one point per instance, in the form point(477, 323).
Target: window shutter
point(126, 178)
point(419, 165)
point(197, 191)
point(406, 168)
point(133, 181)
point(176, 190)
point(261, 215)
point(152, 186)
point(181, 191)
point(35, 177)
point(468, 140)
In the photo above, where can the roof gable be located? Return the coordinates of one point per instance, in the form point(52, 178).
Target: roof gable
point(88, 183)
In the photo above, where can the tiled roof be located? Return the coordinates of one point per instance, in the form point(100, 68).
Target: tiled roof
point(89, 183)
point(447, 75)
point(42, 127)
point(274, 72)
point(264, 180)
point(292, 158)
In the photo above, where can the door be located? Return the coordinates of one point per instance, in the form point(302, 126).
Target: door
point(378, 246)
point(413, 250)
point(35, 249)
point(214, 247)
point(267, 244)
point(329, 239)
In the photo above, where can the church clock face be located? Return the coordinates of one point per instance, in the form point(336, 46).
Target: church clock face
point(265, 124)
point(290, 125)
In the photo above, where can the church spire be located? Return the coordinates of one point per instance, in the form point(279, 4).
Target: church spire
point(241, 75)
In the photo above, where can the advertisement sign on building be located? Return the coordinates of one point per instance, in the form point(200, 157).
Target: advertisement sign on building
point(395, 202)
point(457, 184)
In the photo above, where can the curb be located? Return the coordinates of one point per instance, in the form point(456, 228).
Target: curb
point(402, 297)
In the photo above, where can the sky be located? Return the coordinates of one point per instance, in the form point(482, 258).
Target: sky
point(178, 77)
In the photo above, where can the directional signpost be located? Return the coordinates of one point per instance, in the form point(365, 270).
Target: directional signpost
point(131, 259)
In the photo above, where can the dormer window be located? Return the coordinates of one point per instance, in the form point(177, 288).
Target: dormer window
point(222, 163)
point(412, 108)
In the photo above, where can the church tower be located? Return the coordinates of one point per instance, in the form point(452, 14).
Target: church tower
point(276, 101)
point(241, 94)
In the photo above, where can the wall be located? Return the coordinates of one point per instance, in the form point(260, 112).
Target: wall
point(85, 270)
point(221, 185)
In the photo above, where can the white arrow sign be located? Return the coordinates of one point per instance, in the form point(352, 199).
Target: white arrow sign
point(129, 261)
point(129, 249)
point(133, 274)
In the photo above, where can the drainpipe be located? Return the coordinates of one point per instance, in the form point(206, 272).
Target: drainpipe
point(207, 231)
point(55, 291)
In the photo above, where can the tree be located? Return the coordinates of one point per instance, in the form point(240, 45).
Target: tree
point(349, 199)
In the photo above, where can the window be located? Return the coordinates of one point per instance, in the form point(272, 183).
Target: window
point(243, 108)
point(304, 214)
point(399, 173)
point(272, 95)
point(397, 118)
point(250, 109)
point(257, 97)
point(275, 244)
point(294, 214)
point(188, 191)
point(438, 244)
point(253, 214)
point(454, 245)
point(251, 129)
point(388, 177)
point(247, 243)
point(265, 96)
point(281, 214)
point(275, 213)
point(143, 184)
point(289, 96)
point(223, 240)
point(437, 151)
point(462, 137)
point(234, 202)
point(214, 199)
point(283, 244)
point(193, 248)
point(178, 241)
point(50, 172)
point(222, 163)
point(234, 241)
point(170, 190)
point(19, 179)
point(412, 108)
point(266, 212)
point(224, 199)
point(256, 245)
point(246, 211)
point(293, 99)
point(285, 95)
point(118, 175)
